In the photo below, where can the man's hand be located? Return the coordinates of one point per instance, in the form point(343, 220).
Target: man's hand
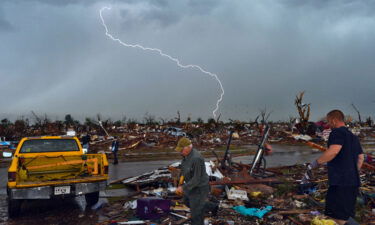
point(268, 149)
point(179, 191)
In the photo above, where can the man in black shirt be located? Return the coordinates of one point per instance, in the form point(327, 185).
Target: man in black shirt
point(344, 158)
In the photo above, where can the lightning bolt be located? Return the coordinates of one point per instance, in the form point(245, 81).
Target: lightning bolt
point(177, 61)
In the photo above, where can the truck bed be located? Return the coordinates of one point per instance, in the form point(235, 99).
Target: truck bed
point(44, 171)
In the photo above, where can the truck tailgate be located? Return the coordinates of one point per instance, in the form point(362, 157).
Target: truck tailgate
point(27, 184)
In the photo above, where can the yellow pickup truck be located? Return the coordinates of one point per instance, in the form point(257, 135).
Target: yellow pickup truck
point(52, 167)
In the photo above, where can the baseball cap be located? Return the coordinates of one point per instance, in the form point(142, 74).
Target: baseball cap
point(182, 143)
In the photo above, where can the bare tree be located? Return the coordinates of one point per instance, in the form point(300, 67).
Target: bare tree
point(123, 120)
point(162, 120)
point(303, 110)
point(255, 122)
point(41, 123)
point(369, 121)
point(218, 118)
point(149, 119)
point(37, 119)
point(359, 114)
point(264, 115)
point(178, 118)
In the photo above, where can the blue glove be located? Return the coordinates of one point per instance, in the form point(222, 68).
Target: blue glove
point(308, 175)
point(313, 165)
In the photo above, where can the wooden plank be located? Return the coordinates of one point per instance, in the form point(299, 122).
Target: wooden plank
point(296, 211)
point(323, 149)
point(294, 220)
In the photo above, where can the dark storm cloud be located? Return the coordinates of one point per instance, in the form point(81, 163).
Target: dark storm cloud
point(165, 13)
point(58, 60)
point(5, 25)
point(158, 16)
point(55, 2)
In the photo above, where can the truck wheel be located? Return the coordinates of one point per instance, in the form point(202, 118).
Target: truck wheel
point(92, 198)
point(14, 207)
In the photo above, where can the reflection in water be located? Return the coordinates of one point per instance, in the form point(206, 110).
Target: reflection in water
point(284, 155)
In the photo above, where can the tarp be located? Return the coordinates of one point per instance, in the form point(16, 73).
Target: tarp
point(252, 211)
point(5, 143)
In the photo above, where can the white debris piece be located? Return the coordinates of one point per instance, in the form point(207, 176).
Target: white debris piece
point(217, 140)
point(302, 137)
point(234, 194)
point(157, 191)
point(209, 171)
point(133, 222)
point(148, 177)
point(299, 204)
point(175, 165)
point(235, 135)
point(172, 189)
point(130, 205)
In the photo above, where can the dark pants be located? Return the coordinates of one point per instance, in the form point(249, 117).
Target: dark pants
point(115, 160)
point(340, 202)
point(197, 200)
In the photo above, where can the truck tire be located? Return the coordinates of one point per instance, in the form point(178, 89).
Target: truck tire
point(14, 207)
point(92, 198)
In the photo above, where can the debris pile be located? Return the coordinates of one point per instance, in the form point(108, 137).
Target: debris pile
point(276, 198)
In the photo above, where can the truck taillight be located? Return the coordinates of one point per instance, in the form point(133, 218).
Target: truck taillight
point(105, 169)
point(11, 176)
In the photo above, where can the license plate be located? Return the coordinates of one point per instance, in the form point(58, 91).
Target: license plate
point(62, 190)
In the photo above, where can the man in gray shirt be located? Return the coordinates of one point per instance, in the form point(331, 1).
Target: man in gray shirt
point(196, 188)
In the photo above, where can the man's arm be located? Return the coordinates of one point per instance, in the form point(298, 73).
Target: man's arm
point(329, 154)
point(361, 158)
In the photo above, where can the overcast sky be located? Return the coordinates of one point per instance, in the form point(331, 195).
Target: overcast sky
point(55, 57)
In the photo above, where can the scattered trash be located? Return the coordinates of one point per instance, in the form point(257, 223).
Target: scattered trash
point(318, 221)
point(299, 204)
point(303, 137)
point(315, 213)
point(231, 185)
point(152, 208)
point(178, 215)
point(255, 194)
point(131, 222)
